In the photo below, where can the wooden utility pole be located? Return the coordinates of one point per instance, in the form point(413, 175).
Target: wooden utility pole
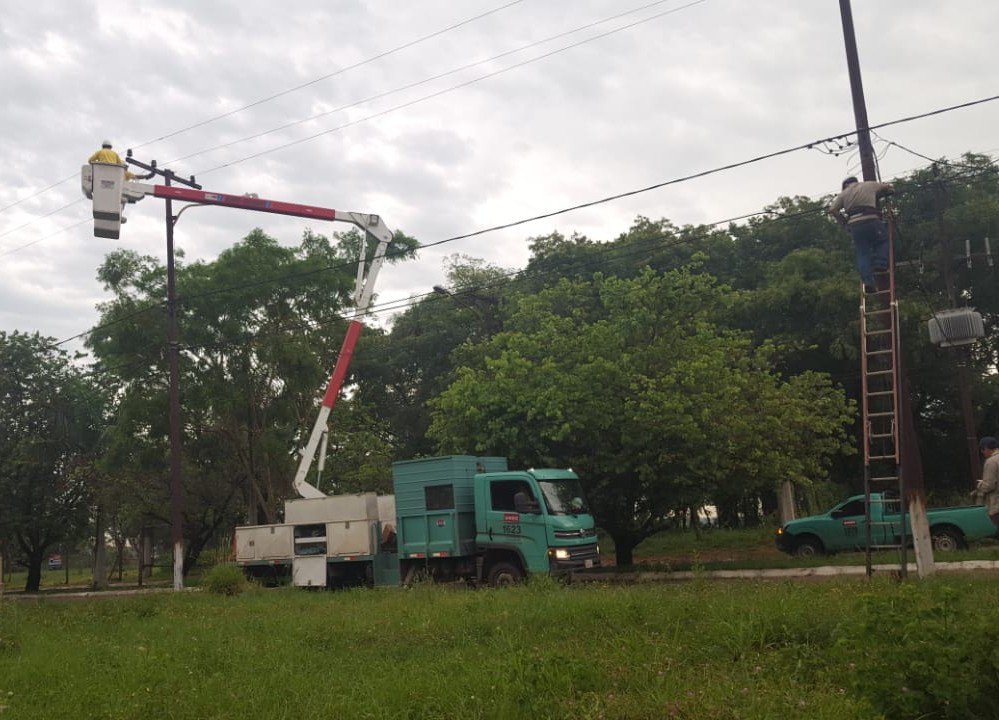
point(910, 466)
point(176, 484)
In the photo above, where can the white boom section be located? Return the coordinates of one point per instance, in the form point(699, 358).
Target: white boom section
point(363, 293)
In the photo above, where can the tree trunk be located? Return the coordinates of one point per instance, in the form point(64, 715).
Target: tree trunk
point(148, 551)
point(34, 581)
point(695, 521)
point(624, 548)
point(785, 502)
point(99, 581)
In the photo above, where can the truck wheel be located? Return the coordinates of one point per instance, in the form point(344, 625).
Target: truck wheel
point(945, 540)
point(503, 574)
point(807, 548)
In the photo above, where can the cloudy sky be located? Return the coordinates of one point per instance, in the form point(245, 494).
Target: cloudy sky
point(449, 117)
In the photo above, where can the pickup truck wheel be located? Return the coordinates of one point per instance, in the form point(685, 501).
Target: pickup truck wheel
point(807, 548)
point(945, 540)
point(504, 574)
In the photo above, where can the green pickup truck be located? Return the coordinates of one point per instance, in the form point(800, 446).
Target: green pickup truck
point(844, 528)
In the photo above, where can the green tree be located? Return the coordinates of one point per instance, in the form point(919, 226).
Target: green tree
point(259, 330)
point(945, 210)
point(51, 417)
point(634, 383)
point(400, 372)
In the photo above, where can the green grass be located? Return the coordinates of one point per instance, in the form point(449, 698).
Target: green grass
point(687, 541)
point(696, 650)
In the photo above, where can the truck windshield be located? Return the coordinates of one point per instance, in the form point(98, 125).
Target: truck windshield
point(564, 497)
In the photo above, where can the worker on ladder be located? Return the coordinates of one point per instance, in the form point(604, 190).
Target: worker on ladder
point(856, 208)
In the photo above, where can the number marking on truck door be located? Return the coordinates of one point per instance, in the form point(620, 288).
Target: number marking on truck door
point(511, 524)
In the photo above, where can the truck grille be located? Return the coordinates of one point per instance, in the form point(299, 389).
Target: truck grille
point(575, 533)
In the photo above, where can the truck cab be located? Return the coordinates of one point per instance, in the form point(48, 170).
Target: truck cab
point(844, 527)
point(539, 517)
point(473, 518)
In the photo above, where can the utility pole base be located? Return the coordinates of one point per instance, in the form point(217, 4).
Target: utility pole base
point(922, 543)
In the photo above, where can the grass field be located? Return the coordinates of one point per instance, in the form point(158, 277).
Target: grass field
point(833, 649)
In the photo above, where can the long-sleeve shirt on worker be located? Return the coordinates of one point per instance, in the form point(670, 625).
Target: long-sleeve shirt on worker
point(106, 155)
point(988, 487)
point(859, 201)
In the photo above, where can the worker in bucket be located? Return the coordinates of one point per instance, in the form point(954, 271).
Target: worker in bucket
point(107, 155)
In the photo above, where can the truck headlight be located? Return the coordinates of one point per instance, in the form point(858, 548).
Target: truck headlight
point(561, 554)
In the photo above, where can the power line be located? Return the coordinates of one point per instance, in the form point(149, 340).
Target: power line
point(38, 192)
point(341, 71)
point(445, 91)
point(759, 158)
point(387, 93)
point(394, 304)
point(155, 305)
point(60, 231)
point(288, 91)
point(401, 304)
point(685, 178)
point(900, 146)
point(606, 249)
point(40, 217)
point(424, 81)
point(484, 231)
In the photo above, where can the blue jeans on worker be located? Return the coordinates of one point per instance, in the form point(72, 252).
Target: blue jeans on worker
point(870, 239)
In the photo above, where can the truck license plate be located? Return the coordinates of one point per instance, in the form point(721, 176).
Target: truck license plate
point(587, 563)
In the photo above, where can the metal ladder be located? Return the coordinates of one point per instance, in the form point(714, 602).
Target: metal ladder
point(879, 359)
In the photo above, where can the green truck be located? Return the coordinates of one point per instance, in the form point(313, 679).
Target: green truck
point(844, 528)
point(451, 518)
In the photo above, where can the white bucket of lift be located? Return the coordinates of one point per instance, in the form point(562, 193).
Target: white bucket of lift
point(107, 185)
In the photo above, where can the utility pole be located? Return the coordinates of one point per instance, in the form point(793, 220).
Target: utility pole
point(173, 360)
point(857, 91)
point(176, 486)
point(910, 466)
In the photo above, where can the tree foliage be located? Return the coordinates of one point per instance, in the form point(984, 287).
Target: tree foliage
point(636, 384)
point(400, 372)
point(671, 365)
point(259, 329)
point(51, 418)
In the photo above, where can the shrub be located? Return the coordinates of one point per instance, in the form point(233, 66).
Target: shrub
point(226, 579)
